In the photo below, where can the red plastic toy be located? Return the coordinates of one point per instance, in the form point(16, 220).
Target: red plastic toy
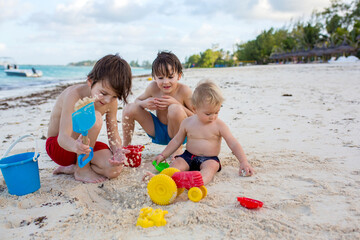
point(134, 156)
point(249, 203)
point(188, 179)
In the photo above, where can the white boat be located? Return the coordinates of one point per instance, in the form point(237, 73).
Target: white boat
point(5, 62)
point(24, 72)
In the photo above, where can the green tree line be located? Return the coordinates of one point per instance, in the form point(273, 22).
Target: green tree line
point(331, 27)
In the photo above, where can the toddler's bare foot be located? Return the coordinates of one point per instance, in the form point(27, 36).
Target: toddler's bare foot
point(65, 169)
point(87, 175)
point(147, 176)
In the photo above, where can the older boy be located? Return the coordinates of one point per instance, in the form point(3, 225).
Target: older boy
point(170, 99)
point(109, 80)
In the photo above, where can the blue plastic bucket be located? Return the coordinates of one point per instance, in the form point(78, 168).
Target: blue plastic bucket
point(21, 173)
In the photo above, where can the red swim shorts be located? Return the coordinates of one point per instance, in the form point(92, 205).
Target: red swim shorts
point(64, 157)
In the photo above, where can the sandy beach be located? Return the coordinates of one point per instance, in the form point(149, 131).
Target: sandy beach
point(298, 124)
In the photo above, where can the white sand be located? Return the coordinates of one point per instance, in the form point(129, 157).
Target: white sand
point(304, 147)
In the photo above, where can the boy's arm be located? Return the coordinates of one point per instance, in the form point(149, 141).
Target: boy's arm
point(174, 144)
point(112, 128)
point(113, 134)
point(236, 149)
point(65, 128)
point(146, 100)
point(165, 101)
point(188, 107)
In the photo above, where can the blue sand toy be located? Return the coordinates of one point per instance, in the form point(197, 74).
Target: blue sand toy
point(83, 120)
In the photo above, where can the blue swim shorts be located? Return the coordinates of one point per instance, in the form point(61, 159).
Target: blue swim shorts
point(161, 132)
point(194, 161)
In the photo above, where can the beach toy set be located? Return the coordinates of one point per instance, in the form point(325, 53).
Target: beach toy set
point(134, 156)
point(83, 119)
point(21, 171)
point(149, 217)
point(170, 183)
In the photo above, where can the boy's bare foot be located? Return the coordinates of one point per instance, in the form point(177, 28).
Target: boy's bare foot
point(65, 169)
point(87, 175)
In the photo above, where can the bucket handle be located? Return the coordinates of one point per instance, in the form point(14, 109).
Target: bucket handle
point(18, 140)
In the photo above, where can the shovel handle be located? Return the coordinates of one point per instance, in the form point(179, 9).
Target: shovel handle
point(86, 140)
point(82, 162)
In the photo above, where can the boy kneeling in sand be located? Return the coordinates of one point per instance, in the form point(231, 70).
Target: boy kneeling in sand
point(204, 132)
point(109, 80)
point(170, 99)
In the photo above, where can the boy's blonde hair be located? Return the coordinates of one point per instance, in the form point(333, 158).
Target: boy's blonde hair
point(207, 92)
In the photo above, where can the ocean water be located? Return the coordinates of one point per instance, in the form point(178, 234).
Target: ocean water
point(11, 86)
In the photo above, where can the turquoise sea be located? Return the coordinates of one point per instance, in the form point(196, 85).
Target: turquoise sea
point(52, 75)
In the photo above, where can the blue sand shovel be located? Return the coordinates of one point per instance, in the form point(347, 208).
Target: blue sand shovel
point(83, 120)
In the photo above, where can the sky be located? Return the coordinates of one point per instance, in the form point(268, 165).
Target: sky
point(58, 32)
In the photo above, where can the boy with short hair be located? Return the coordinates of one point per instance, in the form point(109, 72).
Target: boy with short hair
point(204, 132)
point(170, 99)
point(109, 80)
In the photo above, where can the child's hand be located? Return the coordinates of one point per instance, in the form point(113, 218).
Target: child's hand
point(119, 156)
point(246, 170)
point(149, 104)
point(160, 158)
point(81, 148)
point(165, 101)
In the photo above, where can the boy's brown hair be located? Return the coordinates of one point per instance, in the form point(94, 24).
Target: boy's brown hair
point(116, 71)
point(207, 92)
point(161, 63)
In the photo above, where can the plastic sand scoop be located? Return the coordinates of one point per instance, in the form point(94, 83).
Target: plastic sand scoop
point(249, 203)
point(161, 166)
point(83, 120)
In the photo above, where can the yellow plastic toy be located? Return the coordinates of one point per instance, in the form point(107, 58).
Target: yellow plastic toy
point(149, 217)
point(170, 183)
point(149, 78)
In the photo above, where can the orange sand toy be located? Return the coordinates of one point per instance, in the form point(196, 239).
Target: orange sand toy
point(170, 183)
point(149, 217)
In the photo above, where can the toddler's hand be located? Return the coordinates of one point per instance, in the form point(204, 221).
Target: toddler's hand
point(81, 148)
point(246, 170)
point(160, 158)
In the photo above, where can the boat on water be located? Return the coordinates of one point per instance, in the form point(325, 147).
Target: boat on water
point(23, 72)
point(5, 62)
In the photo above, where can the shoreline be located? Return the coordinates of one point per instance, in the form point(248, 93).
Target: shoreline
point(41, 96)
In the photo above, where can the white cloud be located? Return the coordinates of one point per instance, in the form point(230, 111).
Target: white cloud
point(2, 46)
point(11, 10)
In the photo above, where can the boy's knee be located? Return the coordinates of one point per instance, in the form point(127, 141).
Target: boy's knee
point(130, 108)
point(113, 172)
point(176, 111)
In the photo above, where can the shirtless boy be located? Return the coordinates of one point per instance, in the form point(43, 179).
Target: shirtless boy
point(109, 80)
point(204, 132)
point(170, 99)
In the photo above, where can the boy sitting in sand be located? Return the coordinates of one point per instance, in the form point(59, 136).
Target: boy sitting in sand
point(170, 99)
point(204, 132)
point(109, 80)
